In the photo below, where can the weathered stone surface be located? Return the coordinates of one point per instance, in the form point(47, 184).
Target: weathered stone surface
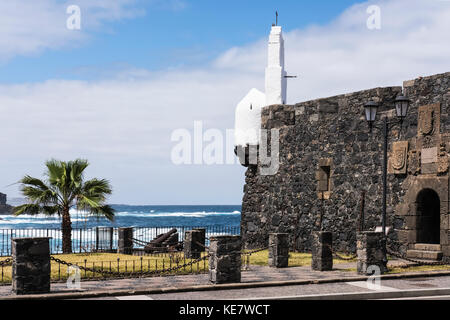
point(4, 208)
point(399, 157)
point(125, 241)
point(31, 265)
point(289, 201)
point(370, 252)
point(322, 251)
point(2, 198)
point(194, 243)
point(278, 250)
point(225, 259)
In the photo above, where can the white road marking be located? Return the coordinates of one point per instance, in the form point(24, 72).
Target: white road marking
point(134, 298)
point(364, 285)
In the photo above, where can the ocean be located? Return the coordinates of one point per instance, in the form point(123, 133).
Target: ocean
point(136, 216)
point(147, 223)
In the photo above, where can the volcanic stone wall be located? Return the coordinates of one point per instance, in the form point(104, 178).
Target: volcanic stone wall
point(327, 158)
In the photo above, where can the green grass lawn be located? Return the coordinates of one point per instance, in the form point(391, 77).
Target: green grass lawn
point(115, 262)
point(296, 259)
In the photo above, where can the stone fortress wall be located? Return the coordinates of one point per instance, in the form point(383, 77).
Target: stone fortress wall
point(4, 208)
point(328, 157)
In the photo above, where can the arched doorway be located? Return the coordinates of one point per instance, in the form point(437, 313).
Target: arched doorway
point(428, 217)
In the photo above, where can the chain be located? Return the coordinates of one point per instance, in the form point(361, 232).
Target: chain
point(6, 262)
point(127, 274)
point(418, 262)
point(248, 253)
point(337, 256)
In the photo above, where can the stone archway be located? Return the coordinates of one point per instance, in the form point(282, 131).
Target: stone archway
point(428, 216)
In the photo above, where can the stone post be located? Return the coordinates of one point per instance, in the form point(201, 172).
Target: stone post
point(225, 259)
point(278, 250)
point(31, 265)
point(125, 243)
point(322, 252)
point(192, 245)
point(369, 250)
point(202, 237)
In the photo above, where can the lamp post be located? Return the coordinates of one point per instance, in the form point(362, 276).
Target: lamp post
point(371, 110)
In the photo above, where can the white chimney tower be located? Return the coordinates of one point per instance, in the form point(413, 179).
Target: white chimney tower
point(275, 73)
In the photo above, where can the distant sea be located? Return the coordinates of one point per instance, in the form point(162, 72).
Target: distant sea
point(136, 216)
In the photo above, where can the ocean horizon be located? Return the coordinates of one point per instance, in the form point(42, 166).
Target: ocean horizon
point(135, 216)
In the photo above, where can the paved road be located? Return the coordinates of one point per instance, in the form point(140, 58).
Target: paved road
point(341, 289)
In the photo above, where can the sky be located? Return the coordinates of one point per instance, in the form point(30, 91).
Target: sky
point(115, 90)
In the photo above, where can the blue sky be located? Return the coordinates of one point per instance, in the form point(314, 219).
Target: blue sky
point(183, 34)
point(115, 91)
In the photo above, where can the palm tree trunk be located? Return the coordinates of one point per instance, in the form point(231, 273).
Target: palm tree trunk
point(66, 226)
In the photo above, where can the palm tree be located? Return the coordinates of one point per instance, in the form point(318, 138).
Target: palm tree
point(64, 189)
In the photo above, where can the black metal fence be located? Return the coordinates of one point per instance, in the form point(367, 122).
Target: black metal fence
point(100, 239)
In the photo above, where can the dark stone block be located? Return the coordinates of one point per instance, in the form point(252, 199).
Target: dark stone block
point(125, 242)
point(278, 250)
point(31, 265)
point(370, 252)
point(322, 252)
point(225, 259)
point(194, 244)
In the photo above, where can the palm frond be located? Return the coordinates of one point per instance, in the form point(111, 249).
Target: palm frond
point(29, 208)
point(56, 172)
point(104, 211)
point(76, 169)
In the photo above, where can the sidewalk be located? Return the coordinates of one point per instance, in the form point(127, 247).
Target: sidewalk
point(255, 277)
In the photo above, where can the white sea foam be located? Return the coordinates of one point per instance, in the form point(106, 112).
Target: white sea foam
point(198, 214)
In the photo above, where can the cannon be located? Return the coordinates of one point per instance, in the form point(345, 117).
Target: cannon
point(164, 242)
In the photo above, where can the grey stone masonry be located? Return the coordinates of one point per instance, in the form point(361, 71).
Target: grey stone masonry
point(328, 156)
point(194, 242)
point(369, 249)
point(278, 250)
point(322, 251)
point(203, 237)
point(31, 265)
point(225, 259)
point(125, 243)
point(2, 198)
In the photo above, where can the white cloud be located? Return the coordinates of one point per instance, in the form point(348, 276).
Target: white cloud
point(123, 125)
point(31, 26)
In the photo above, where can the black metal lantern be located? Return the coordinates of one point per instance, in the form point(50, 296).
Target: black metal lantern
point(371, 109)
point(401, 105)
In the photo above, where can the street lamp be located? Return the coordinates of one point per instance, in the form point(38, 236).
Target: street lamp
point(401, 105)
point(371, 109)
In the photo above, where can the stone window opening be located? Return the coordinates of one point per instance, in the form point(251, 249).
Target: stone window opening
point(323, 179)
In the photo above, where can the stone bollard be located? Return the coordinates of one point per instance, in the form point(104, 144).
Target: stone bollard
point(31, 265)
point(125, 243)
point(278, 250)
point(192, 247)
point(322, 252)
point(202, 237)
point(225, 259)
point(369, 250)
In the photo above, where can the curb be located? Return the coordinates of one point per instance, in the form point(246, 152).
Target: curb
point(372, 295)
point(128, 292)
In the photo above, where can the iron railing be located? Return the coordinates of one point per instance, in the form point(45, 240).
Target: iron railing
point(102, 239)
